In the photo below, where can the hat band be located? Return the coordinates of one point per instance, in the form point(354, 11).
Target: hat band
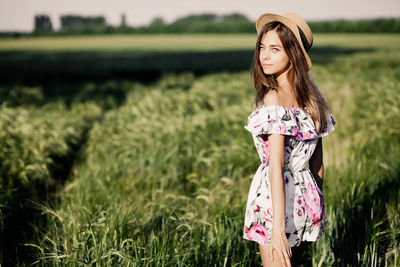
point(306, 45)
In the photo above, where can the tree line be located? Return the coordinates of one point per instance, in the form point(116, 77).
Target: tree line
point(202, 23)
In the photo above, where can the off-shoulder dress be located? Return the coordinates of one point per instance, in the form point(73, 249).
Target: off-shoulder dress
point(304, 203)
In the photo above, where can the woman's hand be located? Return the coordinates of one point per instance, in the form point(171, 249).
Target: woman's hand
point(280, 244)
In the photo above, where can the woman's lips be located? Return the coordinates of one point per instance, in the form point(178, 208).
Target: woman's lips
point(266, 65)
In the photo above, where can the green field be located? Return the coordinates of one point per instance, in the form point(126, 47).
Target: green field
point(170, 42)
point(181, 42)
point(157, 174)
point(60, 62)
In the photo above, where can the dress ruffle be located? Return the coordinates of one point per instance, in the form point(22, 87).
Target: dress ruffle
point(274, 119)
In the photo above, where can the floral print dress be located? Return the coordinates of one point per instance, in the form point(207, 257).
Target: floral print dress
point(304, 203)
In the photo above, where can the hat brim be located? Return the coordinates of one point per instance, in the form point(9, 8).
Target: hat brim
point(268, 17)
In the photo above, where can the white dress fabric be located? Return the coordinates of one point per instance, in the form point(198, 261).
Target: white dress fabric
point(304, 203)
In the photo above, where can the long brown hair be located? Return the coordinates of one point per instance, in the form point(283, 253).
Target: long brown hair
point(306, 92)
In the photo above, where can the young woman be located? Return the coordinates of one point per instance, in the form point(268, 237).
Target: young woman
point(285, 206)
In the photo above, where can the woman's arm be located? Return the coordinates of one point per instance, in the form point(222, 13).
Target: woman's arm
point(276, 142)
point(317, 165)
point(276, 161)
point(279, 240)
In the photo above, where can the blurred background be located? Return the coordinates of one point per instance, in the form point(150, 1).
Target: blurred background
point(122, 139)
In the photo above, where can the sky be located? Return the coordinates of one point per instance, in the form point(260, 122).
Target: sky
point(18, 15)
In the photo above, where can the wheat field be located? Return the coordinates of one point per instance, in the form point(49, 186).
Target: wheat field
point(163, 178)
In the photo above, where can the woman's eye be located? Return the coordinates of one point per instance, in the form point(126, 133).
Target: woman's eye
point(275, 49)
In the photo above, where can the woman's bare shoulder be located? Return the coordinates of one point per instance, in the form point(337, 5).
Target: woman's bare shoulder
point(271, 98)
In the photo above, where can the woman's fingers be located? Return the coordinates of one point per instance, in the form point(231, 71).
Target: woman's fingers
point(288, 248)
point(290, 252)
point(283, 251)
point(287, 259)
point(282, 257)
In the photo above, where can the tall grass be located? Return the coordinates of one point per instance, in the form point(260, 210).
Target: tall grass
point(363, 194)
point(37, 145)
point(159, 162)
point(166, 177)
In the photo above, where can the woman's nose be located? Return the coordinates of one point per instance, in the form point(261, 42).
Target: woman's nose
point(265, 54)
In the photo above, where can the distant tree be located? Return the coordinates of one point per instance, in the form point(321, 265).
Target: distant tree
point(211, 23)
point(367, 26)
point(73, 22)
point(235, 17)
point(123, 20)
point(43, 23)
point(200, 23)
point(208, 17)
point(235, 23)
point(157, 25)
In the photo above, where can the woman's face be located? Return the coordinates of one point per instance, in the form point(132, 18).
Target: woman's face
point(273, 58)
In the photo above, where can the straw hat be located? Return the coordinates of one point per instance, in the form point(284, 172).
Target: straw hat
point(296, 24)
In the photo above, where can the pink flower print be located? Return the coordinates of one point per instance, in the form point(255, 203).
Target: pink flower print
point(299, 212)
point(258, 233)
point(293, 110)
point(313, 135)
point(294, 132)
point(245, 229)
point(257, 208)
point(305, 136)
point(299, 136)
point(281, 129)
point(268, 215)
point(266, 149)
point(314, 203)
point(300, 209)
